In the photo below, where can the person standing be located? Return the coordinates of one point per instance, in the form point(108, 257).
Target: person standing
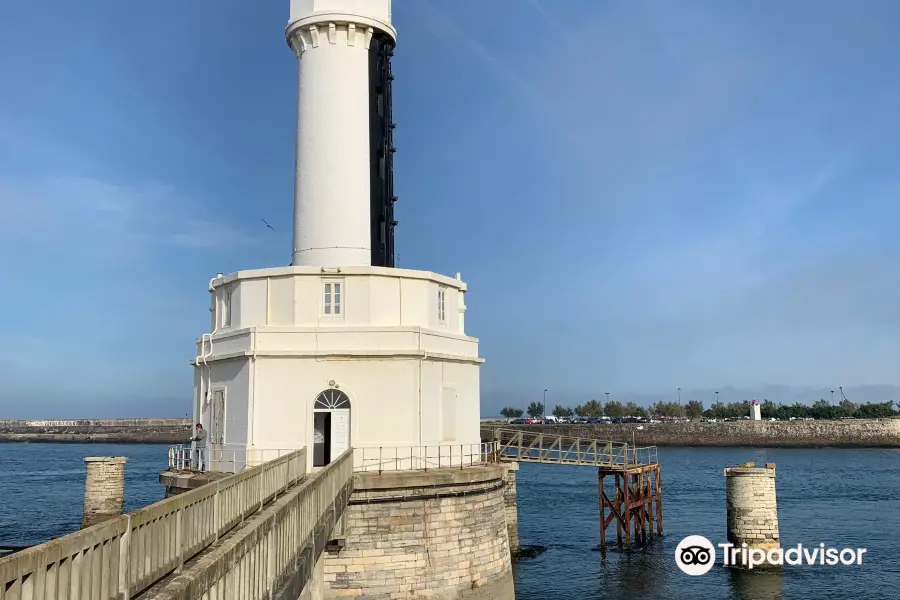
point(200, 447)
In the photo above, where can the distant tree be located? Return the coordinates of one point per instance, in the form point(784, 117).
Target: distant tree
point(511, 413)
point(562, 411)
point(590, 409)
point(847, 408)
point(535, 409)
point(822, 409)
point(614, 408)
point(633, 410)
point(733, 410)
point(666, 409)
point(694, 409)
point(881, 410)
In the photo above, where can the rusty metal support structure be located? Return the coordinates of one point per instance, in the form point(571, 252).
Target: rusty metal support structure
point(635, 504)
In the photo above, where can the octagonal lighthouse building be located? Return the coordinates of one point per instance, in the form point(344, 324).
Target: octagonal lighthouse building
point(340, 349)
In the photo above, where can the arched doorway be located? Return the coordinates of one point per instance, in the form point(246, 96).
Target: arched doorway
point(331, 426)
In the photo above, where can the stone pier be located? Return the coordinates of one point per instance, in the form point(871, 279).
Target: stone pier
point(511, 508)
point(104, 489)
point(752, 510)
point(439, 534)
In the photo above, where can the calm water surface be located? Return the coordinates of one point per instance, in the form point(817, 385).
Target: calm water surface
point(844, 498)
point(42, 488)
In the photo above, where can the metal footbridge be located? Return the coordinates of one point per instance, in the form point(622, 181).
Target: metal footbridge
point(516, 445)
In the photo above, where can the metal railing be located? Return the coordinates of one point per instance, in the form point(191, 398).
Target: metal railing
point(424, 457)
point(527, 446)
point(185, 457)
point(119, 558)
point(646, 455)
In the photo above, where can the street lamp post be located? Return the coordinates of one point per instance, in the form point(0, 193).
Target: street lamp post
point(717, 399)
point(545, 404)
point(680, 411)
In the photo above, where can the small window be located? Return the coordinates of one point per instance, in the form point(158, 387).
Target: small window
point(442, 305)
point(332, 299)
point(226, 309)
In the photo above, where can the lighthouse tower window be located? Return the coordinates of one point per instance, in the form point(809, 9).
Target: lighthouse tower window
point(226, 309)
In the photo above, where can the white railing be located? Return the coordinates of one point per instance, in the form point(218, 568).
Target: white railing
point(287, 529)
point(424, 457)
point(184, 457)
point(646, 455)
point(119, 558)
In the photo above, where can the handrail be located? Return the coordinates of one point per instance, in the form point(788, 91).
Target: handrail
point(285, 530)
point(423, 457)
point(529, 446)
point(186, 457)
point(100, 560)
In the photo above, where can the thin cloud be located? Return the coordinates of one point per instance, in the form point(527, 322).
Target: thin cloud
point(445, 28)
point(103, 214)
point(555, 25)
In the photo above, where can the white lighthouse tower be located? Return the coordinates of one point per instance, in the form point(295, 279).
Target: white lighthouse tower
point(340, 349)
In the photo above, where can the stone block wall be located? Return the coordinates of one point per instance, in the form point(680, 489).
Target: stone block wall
point(441, 534)
point(849, 433)
point(104, 489)
point(751, 507)
point(510, 507)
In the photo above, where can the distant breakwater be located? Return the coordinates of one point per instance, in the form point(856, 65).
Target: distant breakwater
point(849, 433)
point(109, 431)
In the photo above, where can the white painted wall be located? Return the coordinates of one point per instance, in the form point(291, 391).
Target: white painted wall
point(332, 169)
point(389, 352)
point(388, 410)
point(233, 376)
point(372, 296)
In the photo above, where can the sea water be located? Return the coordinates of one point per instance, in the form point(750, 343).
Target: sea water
point(842, 498)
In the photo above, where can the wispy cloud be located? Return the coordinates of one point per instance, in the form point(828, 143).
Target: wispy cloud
point(442, 25)
point(555, 26)
point(66, 210)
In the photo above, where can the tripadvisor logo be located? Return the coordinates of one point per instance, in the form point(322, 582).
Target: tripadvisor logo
point(695, 555)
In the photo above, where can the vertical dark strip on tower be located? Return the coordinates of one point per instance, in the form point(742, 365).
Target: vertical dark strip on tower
point(381, 138)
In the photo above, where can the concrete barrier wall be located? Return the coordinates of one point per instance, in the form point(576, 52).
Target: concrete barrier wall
point(128, 431)
point(849, 433)
point(19, 423)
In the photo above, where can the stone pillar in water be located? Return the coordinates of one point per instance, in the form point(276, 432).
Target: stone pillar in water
point(104, 489)
point(752, 511)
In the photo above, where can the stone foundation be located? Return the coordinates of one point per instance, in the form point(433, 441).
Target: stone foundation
point(179, 482)
point(511, 508)
point(751, 507)
point(439, 534)
point(104, 489)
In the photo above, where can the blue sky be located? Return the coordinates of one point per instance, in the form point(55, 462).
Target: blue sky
point(641, 195)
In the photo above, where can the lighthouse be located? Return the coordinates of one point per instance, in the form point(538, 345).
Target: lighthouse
point(343, 180)
point(340, 350)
